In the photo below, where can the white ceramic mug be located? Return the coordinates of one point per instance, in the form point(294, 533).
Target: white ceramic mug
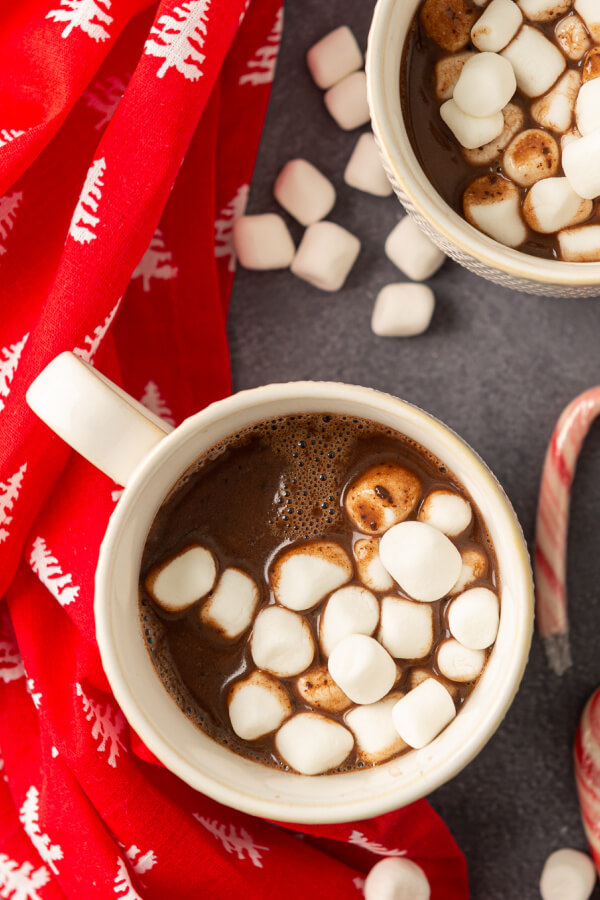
point(135, 447)
point(453, 234)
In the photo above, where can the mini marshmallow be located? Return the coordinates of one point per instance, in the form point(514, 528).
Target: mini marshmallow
point(257, 705)
point(537, 62)
point(312, 744)
point(572, 37)
point(231, 606)
point(333, 57)
point(350, 610)
point(362, 668)
point(369, 567)
point(346, 101)
point(281, 642)
point(319, 690)
point(304, 191)
point(474, 564)
point(396, 879)
point(406, 629)
point(580, 244)
point(486, 84)
point(423, 561)
point(423, 713)
point(497, 25)
point(590, 13)
point(447, 72)
point(182, 580)
point(513, 122)
point(568, 137)
point(459, 663)
point(403, 309)
point(493, 205)
point(448, 22)
point(263, 242)
point(471, 132)
point(591, 65)
point(304, 574)
point(567, 875)
point(552, 204)
point(325, 256)
point(473, 618)
point(446, 511)
point(544, 10)
point(587, 108)
point(580, 165)
point(531, 155)
point(555, 110)
point(381, 496)
point(418, 676)
point(364, 170)
point(412, 251)
point(373, 729)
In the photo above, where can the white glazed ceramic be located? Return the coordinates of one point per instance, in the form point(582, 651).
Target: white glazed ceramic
point(197, 759)
point(452, 233)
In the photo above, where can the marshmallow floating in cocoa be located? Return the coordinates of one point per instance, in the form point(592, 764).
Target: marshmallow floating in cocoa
point(580, 244)
point(412, 251)
point(373, 729)
point(485, 85)
point(362, 668)
point(281, 642)
point(580, 165)
point(346, 101)
point(304, 192)
point(544, 10)
point(257, 705)
point(325, 256)
point(473, 567)
point(459, 663)
point(382, 496)
point(473, 618)
point(537, 61)
point(572, 37)
point(349, 610)
point(403, 309)
point(567, 875)
point(497, 25)
point(364, 170)
point(587, 108)
point(552, 204)
point(423, 713)
point(396, 879)
point(446, 511)
point(448, 22)
point(471, 131)
point(406, 629)
point(303, 575)
point(590, 13)
point(182, 580)
point(557, 108)
point(319, 690)
point(591, 65)
point(369, 567)
point(568, 137)
point(493, 204)
point(263, 242)
point(231, 606)
point(513, 122)
point(312, 744)
point(447, 72)
point(417, 676)
point(423, 561)
point(334, 57)
point(531, 155)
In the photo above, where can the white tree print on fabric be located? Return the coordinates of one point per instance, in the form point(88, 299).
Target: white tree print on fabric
point(9, 492)
point(122, 885)
point(20, 882)
point(103, 96)
point(11, 664)
point(360, 840)
point(9, 134)
point(156, 262)
point(50, 573)
point(84, 221)
point(107, 725)
point(93, 343)
point(29, 816)
point(36, 696)
point(141, 862)
point(9, 205)
point(224, 226)
point(9, 360)
point(240, 843)
point(89, 15)
point(179, 39)
point(152, 400)
point(261, 68)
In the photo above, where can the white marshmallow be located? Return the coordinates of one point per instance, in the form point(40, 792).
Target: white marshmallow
point(183, 579)
point(513, 122)
point(423, 561)
point(325, 256)
point(304, 191)
point(448, 22)
point(486, 84)
point(580, 164)
point(544, 10)
point(373, 729)
point(471, 132)
point(281, 642)
point(395, 878)
point(552, 204)
point(320, 691)
point(580, 244)
point(350, 610)
point(369, 567)
point(493, 205)
point(362, 668)
point(571, 135)
point(231, 606)
point(333, 57)
point(346, 102)
point(406, 629)
point(555, 110)
point(473, 618)
point(447, 72)
point(497, 25)
point(303, 575)
point(536, 60)
point(567, 875)
point(381, 496)
point(590, 13)
point(423, 713)
point(446, 511)
point(412, 251)
point(418, 676)
point(364, 170)
point(402, 310)
point(591, 64)
point(474, 565)
point(587, 108)
point(312, 744)
point(263, 242)
point(257, 705)
point(572, 37)
point(459, 663)
point(531, 155)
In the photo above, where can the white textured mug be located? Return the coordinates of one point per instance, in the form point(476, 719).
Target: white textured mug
point(453, 234)
point(137, 449)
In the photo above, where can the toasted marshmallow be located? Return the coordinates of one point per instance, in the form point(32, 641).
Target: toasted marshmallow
point(513, 122)
point(474, 564)
point(446, 511)
point(350, 610)
point(369, 567)
point(580, 244)
point(263, 242)
point(303, 575)
point(406, 629)
point(381, 497)
point(312, 744)
point(319, 690)
point(471, 132)
point(447, 72)
point(531, 155)
point(536, 60)
point(362, 668)
point(423, 561)
point(496, 26)
point(493, 205)
point(325, 256)
point(364, 170)
point(572, 37)
point(556, 109)
point(412, 251)
point(544, 10)
point(182, 580)
point(459, 663)
point(552, 204)
point(591, 65)
point(257, 705)
point(423, 713)
point(281, 642)
point(304, 191)
point(396, 879)
point(346, 101)
point(333, 57)
point(231, 606)
point(587, 108)
point(486, 84)
point(567, 874)
point(404, 309)
point(448, 22)
point(590, 13)
point(580, 165)
point(373, 729)
point(473, 618)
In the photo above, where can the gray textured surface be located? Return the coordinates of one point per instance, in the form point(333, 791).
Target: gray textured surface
point(496, 366)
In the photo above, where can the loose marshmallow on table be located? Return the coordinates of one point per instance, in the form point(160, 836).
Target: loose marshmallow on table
point(567, 875)
point(369, 567)
point(364, 170)
point(281, 642)
point(412, 251)
point(307, 572)
point(396, 879)
point(423, 561)
point(373, 729)
point(263, 242)
point(325, 256)
point(486, 84)
point(447, 72)
point(459, 663)
point(473, 618)
point(320, 691)
point(406, 629)
point(474, 565)
point(572, 37)
point(446, 511)
point(580, 244)
point(552, 204)
point(257, 705)
point(469, 131)
point(580, 165)
point(403, 309)
point(312, 744)
point(349, 610)
point(537, 62)
point(362, 668)
point(513, 122)
point(347, 102)
point(591, 65)
point(230, 608)
point(590, 13)
point(531, 155)
point(587, 108)
point(183, 579)
point(333, 57)
point(497, 25)
point(493, 204)
point(448, 22)
point(556, 109)
point(304, 191)
point(423, 713)
point(544, 10)
point(381, 496)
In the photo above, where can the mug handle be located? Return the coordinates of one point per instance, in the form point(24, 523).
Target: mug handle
point(94, 416)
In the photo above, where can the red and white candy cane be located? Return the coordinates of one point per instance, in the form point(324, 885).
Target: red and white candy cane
point(552, 525)
point(587, 772)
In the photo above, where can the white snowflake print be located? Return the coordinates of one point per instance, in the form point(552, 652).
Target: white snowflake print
point(155, 263)
point(122, 884)
point(103, 97)
point(9, 493)
point(360, 840)
point(7, 135)
point(20, 882)
point(116, 495)
point(358, 883)
point(261, 68)
point(152, 400)
point(36, 696)
point(84, 221)
point(107, 725)
point(9, 360)
point(240, 843)
point(244, 11)
point(179, 39)
point(93, 343)
point(29, 816)
point(141, 862)
point(89, 15)
point(53, 752)
point(48, 570)
point(9, 205)
point(224, 226)
point(11, 664)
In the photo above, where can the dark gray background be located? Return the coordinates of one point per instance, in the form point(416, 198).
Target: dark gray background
point(495, 365)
